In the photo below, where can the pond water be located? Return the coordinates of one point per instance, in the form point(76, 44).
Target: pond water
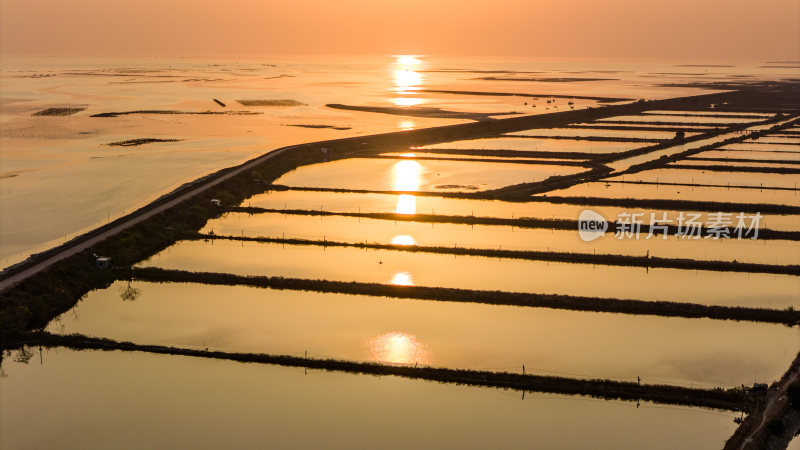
point(713, 121)
point(533, 144)
point(287, 408)
point(412, 204)
point(752, 153)
point(700, 176)
point(359, 230)
point(423, 175)
point(599, 132)
point(474, 272)
point(664, 192)
point(441, 334)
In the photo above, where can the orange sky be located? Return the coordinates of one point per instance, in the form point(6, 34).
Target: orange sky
point(687, 29)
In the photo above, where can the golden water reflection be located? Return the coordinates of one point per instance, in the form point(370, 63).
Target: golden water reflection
point(405, 80)
point(407, 101)
point(403, 239)
point(406, 125)
point(406, 204)
point(399, 348)
point(406, 175)
point(402, 279)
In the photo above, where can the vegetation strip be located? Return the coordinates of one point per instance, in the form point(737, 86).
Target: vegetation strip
point(580, 258)
point(553, 301)
point(160, 111)
point(521, 222)
point(730, 399)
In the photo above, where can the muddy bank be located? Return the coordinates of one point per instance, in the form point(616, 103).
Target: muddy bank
point(275, 102)
point(60, 111)
point(142, 141)
point(416, 111)
point(163, 111)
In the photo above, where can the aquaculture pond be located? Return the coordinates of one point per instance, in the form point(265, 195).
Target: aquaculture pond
point(410, 175)
point(699, 120)
point(752, 153)
point(99, 400)
point(417, 204)
point(599, 132)
point(475, 272)
point(533, 144)
point(497, 237)
point(667, 192)
point(700, 352)
point(713, 177)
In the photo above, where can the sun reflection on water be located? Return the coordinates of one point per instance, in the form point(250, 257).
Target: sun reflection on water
point(406, 125)
point(407, 101)
point(405, 77)
point(406, 175)
point(406, 204)
point(402, 279)
point(403, 239)
point(398, 347)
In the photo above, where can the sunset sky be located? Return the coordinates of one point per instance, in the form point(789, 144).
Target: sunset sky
point(687, 29)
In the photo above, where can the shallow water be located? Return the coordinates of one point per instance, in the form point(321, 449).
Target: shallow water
point(788, 148)
point(423, 175)
point(411, 204)
point(700, 176)
point(599, 132)
point(401, 331)
point(544, 145)
point(291, 409)
point(692, 193)
point(751, 154)
point(733, 164)
point(710, 121)
point(473, 272)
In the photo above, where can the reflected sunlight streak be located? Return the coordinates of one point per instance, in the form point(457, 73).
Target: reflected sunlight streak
point(406, 175)
point(406, 204)
point(399, 348)
point(406, 79)
point(402, 279)
point(406, 125)
point(407, 101)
